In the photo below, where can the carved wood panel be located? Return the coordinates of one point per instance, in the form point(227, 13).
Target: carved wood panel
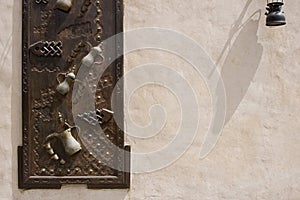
point(57, 36)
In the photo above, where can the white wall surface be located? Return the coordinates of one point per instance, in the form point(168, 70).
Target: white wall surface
point(258, 153)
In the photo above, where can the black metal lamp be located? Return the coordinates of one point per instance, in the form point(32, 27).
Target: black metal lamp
point(275, 16)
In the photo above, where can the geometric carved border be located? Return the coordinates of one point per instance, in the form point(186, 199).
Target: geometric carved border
point(121, 181)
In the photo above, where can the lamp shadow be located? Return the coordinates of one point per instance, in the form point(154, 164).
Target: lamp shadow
point(241, 64)
point(242, 60)
point(237, 71)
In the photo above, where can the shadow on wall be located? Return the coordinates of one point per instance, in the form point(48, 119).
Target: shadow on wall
point(241, 65)
point(238, 70)
point(242, 61)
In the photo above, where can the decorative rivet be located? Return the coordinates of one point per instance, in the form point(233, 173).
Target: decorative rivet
point(55, 157)
point(50, 151)
point(62, 161)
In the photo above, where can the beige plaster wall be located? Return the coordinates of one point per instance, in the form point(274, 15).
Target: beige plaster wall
point(257, 155)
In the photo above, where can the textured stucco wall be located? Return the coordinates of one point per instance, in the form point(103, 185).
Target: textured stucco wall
point(258, 153)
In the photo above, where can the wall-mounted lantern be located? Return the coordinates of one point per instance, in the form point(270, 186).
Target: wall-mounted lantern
point(275, 16)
